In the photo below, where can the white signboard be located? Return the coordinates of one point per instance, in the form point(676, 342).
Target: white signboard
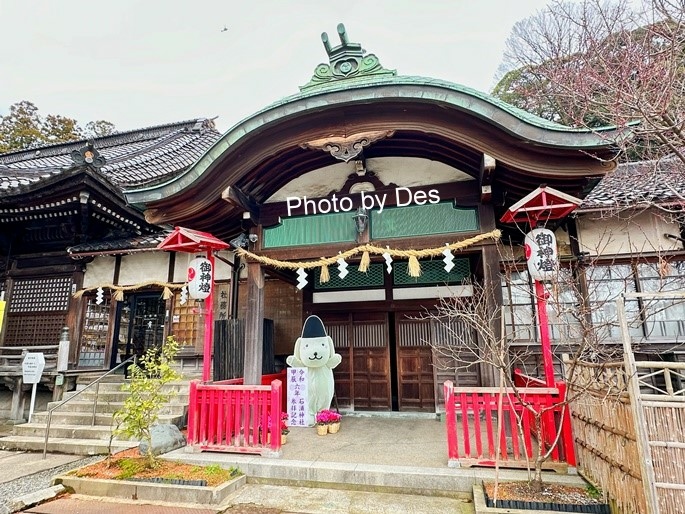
point(32, 367)
point(297, 397)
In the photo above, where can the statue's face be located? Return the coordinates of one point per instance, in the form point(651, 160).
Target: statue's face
point(315, 351)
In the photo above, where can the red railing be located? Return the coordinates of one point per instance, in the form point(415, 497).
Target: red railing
point(235, 418)
point(266, 380)
point(474, 441)
point(562, 415)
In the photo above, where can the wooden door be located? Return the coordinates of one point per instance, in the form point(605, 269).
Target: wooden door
point(362, 380)
point(371, 361)
point(415, 381)
point(455, 357)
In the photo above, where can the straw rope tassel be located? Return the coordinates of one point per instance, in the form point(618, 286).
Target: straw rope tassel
point(364, 263)
point(414, 267)
point(119, 295)
point(167, 294)
point(325, 275)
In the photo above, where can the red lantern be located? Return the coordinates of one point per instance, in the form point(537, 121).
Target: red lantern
point(199, 278)
point(541, 254)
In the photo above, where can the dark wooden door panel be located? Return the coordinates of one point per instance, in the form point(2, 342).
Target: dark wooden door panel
point(371, 378)
point(454, 357)
point(415, 374)
point(362, 380)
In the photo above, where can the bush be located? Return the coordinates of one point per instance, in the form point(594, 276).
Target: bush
point(146, 396)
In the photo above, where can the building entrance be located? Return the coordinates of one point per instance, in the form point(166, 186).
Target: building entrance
point(396, 360)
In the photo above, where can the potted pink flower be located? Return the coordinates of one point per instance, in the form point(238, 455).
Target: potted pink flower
point(327, 421)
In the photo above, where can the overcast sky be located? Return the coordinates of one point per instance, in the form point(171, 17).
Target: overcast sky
point(141, 63)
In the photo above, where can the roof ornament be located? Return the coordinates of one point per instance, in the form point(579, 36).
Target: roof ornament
point(347, 61)
point(88, 156)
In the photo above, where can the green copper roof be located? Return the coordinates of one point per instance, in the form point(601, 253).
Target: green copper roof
point(347, 61)
point(343, 85)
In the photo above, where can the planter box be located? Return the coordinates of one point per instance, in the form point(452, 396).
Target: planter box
point(483, 505)
point(141, 490)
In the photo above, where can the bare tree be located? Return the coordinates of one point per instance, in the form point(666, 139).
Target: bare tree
point(595, 63)
point(583, 325)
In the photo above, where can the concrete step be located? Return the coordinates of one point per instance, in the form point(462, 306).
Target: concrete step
point(63, 445)
point(180, 386)
point(85, 418)
point(65, 431)
point(104, 407)
point(117, 396)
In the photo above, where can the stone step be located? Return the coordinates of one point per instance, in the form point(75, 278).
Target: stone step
point(85, 378)
point(180, 386)
point(105, 407)
point(63, 445)
point(66, 431)
point(84, 418)
point(118, 396)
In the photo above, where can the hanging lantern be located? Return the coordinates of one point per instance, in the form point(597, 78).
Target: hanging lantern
point(541, 254)
point(199, 278)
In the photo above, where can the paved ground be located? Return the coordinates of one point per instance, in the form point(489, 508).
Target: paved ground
point(402, 443)
point(268, 499)
point(18, 464)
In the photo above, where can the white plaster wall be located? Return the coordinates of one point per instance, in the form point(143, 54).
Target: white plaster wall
point(402, 171)
point(222, 271)
point(142, 267)
point(99, 271)
point(625, 234)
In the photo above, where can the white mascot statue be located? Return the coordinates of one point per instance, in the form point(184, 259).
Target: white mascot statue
point(314, 350)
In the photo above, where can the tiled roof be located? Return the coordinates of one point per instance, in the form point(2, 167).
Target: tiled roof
point(146, 242)
point(637, 183)
point(132, 158)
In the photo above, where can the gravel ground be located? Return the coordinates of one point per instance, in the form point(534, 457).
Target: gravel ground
point(37, 481)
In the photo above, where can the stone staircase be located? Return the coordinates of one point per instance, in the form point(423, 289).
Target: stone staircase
point(72, 430)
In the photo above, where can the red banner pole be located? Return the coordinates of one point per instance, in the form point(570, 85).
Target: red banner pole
point(209, 325)
point(543, 321)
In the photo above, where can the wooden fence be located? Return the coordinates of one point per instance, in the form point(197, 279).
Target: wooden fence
point(629, 422)
point(604, 431)
point(477, 439)
point(235, 418)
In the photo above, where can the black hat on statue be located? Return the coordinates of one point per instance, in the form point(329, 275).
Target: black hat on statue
point(313, 327)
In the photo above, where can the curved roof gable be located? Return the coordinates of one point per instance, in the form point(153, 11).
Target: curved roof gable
point(354, 94)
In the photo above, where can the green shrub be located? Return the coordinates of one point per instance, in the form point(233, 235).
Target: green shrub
point(147, 396)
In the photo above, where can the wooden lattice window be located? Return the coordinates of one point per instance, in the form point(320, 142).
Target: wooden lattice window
point(96, 334)
point(37, 311)
point(186, 324)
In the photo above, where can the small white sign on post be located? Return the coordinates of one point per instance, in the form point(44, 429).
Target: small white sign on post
point(297, 397)
point(32, 369)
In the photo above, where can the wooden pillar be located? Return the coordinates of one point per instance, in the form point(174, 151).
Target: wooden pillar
point(18, 401)
point(493, 293)
point(254, 325)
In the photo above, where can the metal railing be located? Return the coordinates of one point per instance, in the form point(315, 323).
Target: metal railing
point(95, 383)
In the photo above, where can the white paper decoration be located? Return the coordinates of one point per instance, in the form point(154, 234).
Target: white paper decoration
point(541, 254)
point(199, 278)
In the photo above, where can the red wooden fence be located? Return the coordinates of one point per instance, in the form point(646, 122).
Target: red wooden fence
point(474, 441)
point(266, 380)
point(235, 418)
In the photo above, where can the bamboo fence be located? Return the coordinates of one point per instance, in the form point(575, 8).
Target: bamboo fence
point(604, 433)
point(607, 438)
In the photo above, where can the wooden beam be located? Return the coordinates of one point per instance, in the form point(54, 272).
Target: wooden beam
point(485, 176)
point(493, 299)
point(254, 325)
point(235, 196)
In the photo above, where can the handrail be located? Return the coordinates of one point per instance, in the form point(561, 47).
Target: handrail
point(97, 391)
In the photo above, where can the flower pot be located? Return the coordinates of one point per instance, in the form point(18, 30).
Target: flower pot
point(284, 439)
point(334, 427)
point(321, 429)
